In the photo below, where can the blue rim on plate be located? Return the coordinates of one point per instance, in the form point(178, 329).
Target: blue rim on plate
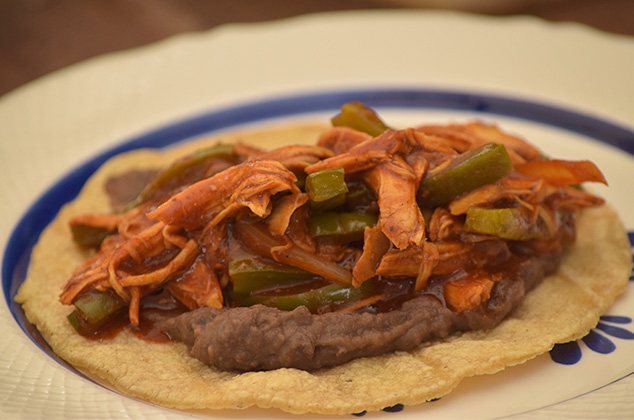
point(41, 213)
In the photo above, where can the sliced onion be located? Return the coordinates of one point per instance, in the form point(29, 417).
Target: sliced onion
point(256, 237)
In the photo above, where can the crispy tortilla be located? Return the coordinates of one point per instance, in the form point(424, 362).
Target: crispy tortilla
point(563, 308)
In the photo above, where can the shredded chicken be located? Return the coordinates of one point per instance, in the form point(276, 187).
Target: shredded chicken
point(527, 192)
point(468, 292)
point(342, 139)
point(184, 238)
point(295, 157)
point(250, 184)
point(375, 246)
point(121, 265)
point(198, 287)
point(280, 218)
point(463, 137)
point(393, 164)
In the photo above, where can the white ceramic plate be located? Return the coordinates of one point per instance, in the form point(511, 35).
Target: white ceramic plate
point(564, 87)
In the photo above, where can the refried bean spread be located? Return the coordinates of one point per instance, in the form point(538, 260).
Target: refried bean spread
point(264, 338)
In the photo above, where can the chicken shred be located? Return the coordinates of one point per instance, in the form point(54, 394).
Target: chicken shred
point(393, 164)
point(375, 245)
point(185, 240)
point(250, 184)
point(463, 137)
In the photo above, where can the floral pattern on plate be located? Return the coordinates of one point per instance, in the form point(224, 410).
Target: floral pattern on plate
point(599, 339)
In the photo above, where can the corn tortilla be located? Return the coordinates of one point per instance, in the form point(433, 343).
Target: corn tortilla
point(563, 308)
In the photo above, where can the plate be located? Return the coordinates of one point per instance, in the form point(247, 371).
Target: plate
point(120, 102)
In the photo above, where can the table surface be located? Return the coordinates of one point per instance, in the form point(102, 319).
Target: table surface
point(41, 36)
